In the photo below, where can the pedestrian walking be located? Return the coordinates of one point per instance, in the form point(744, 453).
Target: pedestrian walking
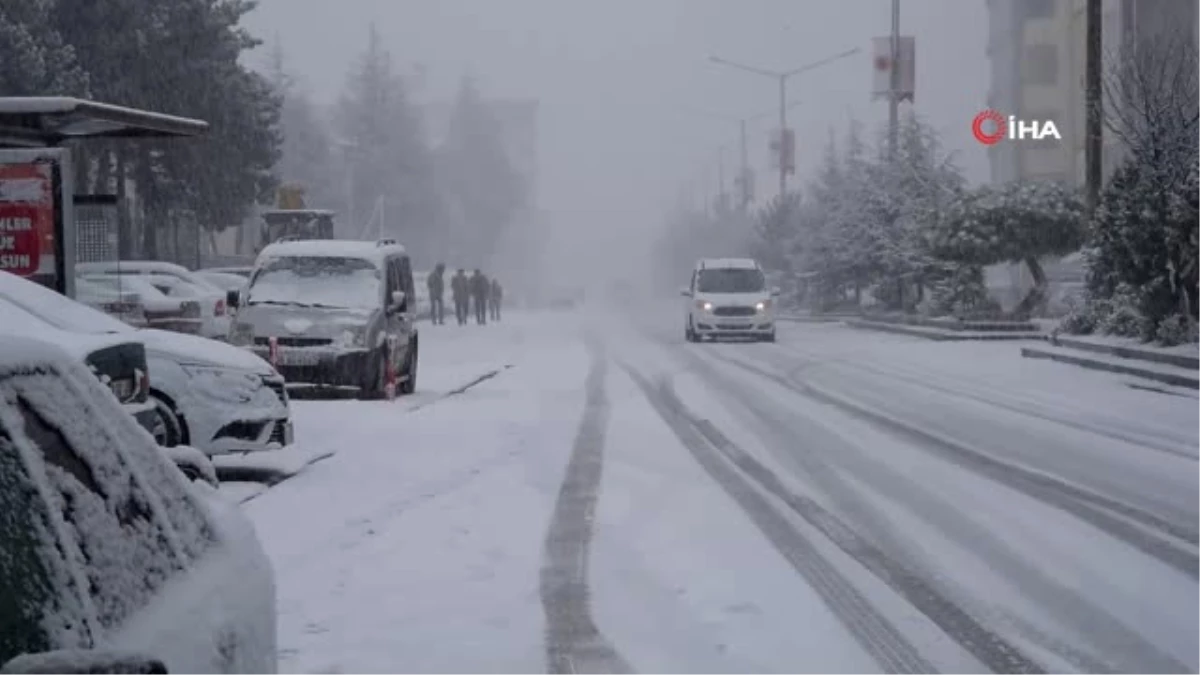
point(480, 288)
point(437, 286)
point(494, 298)
point(460, 289)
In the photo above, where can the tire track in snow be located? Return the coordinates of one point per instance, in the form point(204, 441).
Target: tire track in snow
point(573, 642)
point(1108, 515)
point(1128, 651)
point(874, 633)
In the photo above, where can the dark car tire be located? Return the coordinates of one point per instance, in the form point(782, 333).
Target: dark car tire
point(174, 429)
point(768, 338)
point(409, 385)
point(375, 378)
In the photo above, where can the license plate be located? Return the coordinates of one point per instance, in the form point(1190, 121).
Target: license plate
point(298, 357)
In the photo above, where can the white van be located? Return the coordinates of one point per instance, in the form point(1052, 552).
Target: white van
point(729, 298)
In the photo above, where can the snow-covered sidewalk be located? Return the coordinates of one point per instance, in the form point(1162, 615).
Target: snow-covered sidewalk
point(418, 546)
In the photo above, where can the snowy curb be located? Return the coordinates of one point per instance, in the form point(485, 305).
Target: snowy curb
point(944, 334)
point(1141, 354)
point(1159, 373)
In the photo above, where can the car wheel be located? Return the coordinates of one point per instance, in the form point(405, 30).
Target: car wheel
point(688, 333)
point(375, 379)
point(409, 385)
point(770, 337)
point(169, 427)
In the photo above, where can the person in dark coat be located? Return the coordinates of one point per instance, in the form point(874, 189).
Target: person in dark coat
point(494, 297)
point(437, 287)
point(460, 288)
point(480, 289)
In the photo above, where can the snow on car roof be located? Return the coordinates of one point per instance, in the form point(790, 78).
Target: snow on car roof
point(22, 351)
point(332, 248)
point(32, 310)
point(737, 263)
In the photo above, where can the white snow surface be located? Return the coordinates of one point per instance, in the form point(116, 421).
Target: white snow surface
point(418, 546)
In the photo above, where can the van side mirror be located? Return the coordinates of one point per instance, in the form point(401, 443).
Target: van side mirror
point(85, 661)
point(398, 298)
point(685, 292)
point(233, 298)
point(775, 292)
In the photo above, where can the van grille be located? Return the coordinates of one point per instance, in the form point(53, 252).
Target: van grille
point(734, 311)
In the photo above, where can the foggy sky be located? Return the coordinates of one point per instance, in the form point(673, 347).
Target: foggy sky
point(624, 84)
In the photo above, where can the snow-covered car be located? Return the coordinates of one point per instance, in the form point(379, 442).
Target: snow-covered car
point(340, 315)
point(729, 297)
point(204, 393)
point(179, 282)
point(181, 315)
point(243, 272)
point(224, 280)
point(125, 306)
point(114, 562)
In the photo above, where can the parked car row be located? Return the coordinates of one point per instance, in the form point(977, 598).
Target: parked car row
point(171, 296)
point(184, 389)
point(113, 561)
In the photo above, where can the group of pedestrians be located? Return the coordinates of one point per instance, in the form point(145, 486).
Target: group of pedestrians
point(474, 292)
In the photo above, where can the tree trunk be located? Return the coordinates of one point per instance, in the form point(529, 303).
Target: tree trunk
point(1035, 300)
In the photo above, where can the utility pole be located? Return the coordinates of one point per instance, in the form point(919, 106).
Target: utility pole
point(743, 198)
point(894, 87)
point(1094, 142)
point(782, 78)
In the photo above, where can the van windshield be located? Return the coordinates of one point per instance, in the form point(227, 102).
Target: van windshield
point(317, 281)
point(731, 280)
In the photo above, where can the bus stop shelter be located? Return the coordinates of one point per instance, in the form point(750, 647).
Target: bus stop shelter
point(38, 233)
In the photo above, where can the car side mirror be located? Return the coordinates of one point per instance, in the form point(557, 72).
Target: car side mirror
point(685, 292)
point(193, 463)
point(775, 292)
point(85, 661)
point(233, 298)
point(398, 298)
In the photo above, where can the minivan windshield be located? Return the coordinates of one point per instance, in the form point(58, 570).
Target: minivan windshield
point(317, 281)
point(731, 280)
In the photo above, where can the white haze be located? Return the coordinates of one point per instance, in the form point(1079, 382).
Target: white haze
point(624, 87)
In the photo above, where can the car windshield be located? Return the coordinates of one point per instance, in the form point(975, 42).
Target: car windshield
point(731, 280)
point(317, 281)
point(58, 310)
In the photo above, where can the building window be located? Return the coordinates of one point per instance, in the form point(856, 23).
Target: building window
point(1041, 65)
point(1039, 9)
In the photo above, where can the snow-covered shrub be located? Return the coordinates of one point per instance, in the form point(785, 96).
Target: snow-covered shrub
point(1174, 330)
point(960, 293)
point(1123, 316)
point(1082, 317)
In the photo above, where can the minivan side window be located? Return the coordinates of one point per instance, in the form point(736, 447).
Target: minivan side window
point(127, 550)
point(406, 279)
point(393, 279)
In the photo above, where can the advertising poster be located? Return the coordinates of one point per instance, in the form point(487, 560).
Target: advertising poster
point(27, 219)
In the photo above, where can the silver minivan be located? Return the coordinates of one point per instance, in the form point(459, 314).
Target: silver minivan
point(332, 314)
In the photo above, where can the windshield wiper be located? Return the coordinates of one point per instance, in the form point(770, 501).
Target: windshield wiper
point(284, 303)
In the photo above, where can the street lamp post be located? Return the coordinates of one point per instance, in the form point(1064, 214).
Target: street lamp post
point(744, 154)
point(782, 78)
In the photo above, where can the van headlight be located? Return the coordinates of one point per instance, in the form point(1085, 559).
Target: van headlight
point(704, 306)
point(763, 306)
point(353, 337)
point(241, 334)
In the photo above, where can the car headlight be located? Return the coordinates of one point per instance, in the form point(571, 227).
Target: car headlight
point(704, 306)
point(222, 383)
point(241, 334)
point(763, 306)
point(353, 337)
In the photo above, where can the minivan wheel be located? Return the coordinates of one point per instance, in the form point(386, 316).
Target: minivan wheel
point(169, 429)
point(409, 385)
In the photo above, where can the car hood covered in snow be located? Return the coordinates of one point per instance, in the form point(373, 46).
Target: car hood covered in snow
point(313, 322)
point(194, 350)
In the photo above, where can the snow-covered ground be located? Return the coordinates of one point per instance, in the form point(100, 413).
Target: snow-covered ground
point(614, 499)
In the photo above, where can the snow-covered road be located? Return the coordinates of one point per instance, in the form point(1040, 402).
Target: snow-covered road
point(606, 497)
